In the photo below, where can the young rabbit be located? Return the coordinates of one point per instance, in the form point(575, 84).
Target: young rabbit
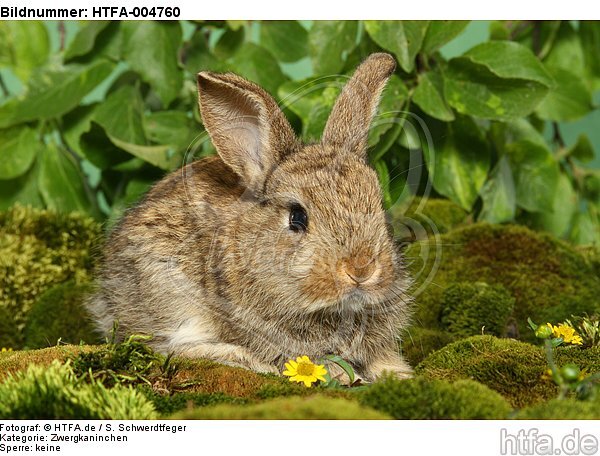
point(270, 250)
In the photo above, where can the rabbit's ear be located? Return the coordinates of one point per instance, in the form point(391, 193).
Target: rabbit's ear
point(245, 124)
point(348, 124)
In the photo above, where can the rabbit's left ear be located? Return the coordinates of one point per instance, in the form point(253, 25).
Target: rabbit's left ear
point(348, 124)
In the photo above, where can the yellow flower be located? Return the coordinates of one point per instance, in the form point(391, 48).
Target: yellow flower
point(547, 375)
point(567, 333)
point(6, 349)
point(304, 370)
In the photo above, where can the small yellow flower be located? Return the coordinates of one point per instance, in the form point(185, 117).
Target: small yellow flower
point(567, 333)
point(304, 370)
point(6, 349)
point(547, 375)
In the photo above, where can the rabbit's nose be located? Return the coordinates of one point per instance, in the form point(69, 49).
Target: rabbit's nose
point(359, 268)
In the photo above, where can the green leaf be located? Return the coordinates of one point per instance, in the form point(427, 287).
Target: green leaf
point(498, 195)
point(583, 149)
point(403, 38)
point(19, 146)
point(591, 188)
point(473, 89)
point(22, 190)
point(364, 47)
point(429, 96)
point(390, 109)
point(197, 56)
point(586, 229)
point(343, 364)
point(558, 220)
point(236, 24)
point(121, 118)
point(54, 92)
point(61, 181)
point(569, 100)
point(151, 49)
point(88, 140)
point(98, 149)
point(315, 123)
point(287, 40)
point(499, 30)
point(384, 182)
point(329, 42)
point(302, 96)
point(312, 100)
point(496, 80)
point(505, 133)
point(76, 123)
point(536, 175)
point(440, 33)
point(387, 140)
point(109, 43)
point(172, 128)
point(160, 156)
point(84, 40)
point(567, 52)
point(532, 325)
point(229, 43)
point(257, 64)
point(460, 166)
point(121, 115)
point(24, 46)
point(589, 33)
point(509, 60)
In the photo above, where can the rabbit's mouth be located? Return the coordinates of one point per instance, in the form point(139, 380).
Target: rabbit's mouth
point(356, 299)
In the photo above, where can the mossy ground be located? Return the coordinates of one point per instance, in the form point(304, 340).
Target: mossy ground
point(512, 368)
point(39, 249)
point(488, 280)
point(293, 408)
point(425, 399)
point(548, 279)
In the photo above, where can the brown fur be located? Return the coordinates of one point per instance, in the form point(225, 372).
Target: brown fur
point(207, 264)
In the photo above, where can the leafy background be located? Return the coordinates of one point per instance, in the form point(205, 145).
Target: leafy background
point(500, 117)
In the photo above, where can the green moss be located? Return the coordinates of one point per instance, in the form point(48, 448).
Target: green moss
point(292, 408)
point(469, 309)
point(588, 358)
point(38, 249)
point(166, 405)
point(12, 362)
point(512, 368)
point(561, 409)
point(426, 216)
point(549, 279)
point(128, 362)
point(424, 399)
point(53, 393)
point(279, 389)
point(419, 342)
point(136, 364)
point(59, 314)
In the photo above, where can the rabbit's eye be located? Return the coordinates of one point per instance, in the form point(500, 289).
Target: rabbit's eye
point(298, 218)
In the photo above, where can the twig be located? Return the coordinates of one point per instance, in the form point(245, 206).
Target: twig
point(61, 31)
point(535, 38)
point(557, 136)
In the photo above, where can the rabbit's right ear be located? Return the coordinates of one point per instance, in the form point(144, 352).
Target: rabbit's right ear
point(249, 131)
